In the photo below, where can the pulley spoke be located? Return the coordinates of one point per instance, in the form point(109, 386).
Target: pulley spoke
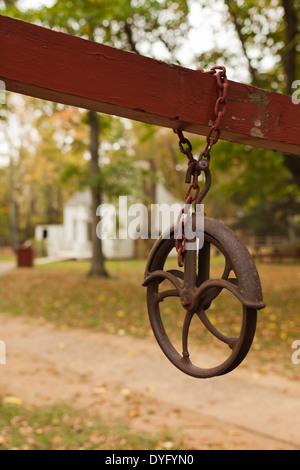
point(170, 292)
point(214, 288)
point(160, 276)
point(167, 293)
point(185, 333)
point(212, 292)
point(214, 331)
point(176, 273)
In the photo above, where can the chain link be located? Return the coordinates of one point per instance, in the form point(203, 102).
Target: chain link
point(196, 167)
point(214, 133)
point(188, 151)
point(182, 221)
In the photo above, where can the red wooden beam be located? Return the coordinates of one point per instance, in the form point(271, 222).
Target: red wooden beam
point(46, 64)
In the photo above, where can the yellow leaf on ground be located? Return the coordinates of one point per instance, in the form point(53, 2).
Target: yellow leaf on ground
point(168, 445)
point(38, 431)
point(234, 432)
point(12, 401)
point(99, 390)
point(132, 354)
point(151, 388)
point(133, 413)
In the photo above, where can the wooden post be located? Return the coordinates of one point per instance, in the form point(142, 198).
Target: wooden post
point(46, 64)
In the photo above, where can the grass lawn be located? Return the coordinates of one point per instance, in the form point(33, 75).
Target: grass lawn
point(61, 427)
point(7, 254)
point(7, 258)
point(63, 294)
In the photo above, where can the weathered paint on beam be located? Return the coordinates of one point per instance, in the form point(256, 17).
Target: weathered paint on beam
point(46, 64)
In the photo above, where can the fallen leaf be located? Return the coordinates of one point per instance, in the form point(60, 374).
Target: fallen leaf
point(256, 376)
point(266, 310)
point(262, 370)
point(38, 431)
point(168, 445)
point(132, 354)
point(133, 413)
point(99, 390)
point(5, 440)
point(151, 388)
point(12, 401)
point(233, 432)
point(96, 438)
point(25, 431)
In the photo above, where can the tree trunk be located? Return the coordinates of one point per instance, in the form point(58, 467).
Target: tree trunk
point(13, 208)
point(290, 65)
point(143, 246)
point(98, 261)
point(290, 52)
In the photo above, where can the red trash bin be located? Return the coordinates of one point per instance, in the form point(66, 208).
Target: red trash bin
point(25, 257)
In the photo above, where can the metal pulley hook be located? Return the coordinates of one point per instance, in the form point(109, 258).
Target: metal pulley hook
point(195, 168)
point(206, 187)
point(193, 285)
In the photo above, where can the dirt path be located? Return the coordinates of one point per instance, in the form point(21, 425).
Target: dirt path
point(120, 377)
point(6, 266)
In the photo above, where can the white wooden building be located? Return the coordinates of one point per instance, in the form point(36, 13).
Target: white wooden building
point(73, 238)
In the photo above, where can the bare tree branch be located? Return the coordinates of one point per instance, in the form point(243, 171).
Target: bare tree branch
point(131, 41)
point(290, 52)
point(234, 16)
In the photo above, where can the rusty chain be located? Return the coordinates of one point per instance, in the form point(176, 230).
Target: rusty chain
point(202, 164)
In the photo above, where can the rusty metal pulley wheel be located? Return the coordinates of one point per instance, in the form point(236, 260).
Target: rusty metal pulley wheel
point(196, 291)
